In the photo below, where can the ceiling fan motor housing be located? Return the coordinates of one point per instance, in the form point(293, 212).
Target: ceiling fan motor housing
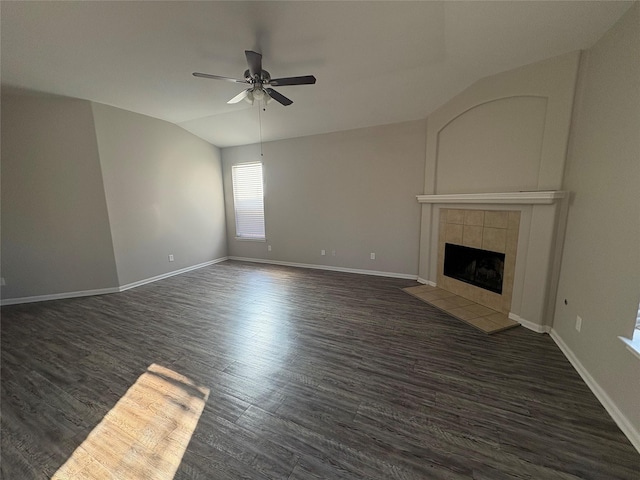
point(265, 77)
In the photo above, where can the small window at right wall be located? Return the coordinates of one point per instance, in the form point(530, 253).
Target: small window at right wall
point(633, 344)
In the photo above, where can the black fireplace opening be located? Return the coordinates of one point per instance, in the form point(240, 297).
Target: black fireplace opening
point(481, 268)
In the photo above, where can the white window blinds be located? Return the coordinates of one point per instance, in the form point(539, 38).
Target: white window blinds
point(248, 200)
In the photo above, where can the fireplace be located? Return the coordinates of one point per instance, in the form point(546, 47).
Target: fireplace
point(525, 226)
point(484, 245)
point(481, 268)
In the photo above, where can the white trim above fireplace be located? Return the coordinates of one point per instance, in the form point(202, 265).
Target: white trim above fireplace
point(513, 198)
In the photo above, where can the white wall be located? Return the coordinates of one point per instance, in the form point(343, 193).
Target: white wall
point(352, 192)
point(600, 274)
point(55, 228)
point(164, 194)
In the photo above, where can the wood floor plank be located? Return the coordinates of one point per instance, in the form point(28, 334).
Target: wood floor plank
point(310, 374)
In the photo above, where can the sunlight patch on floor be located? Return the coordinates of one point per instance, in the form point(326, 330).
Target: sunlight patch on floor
point(146, 433)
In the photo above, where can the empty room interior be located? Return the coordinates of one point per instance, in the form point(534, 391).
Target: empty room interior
point(299, 240)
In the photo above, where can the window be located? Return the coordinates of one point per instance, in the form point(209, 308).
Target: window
point(633, 343)
point(248, 201)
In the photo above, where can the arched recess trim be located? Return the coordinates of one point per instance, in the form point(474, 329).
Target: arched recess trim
point(493, 146)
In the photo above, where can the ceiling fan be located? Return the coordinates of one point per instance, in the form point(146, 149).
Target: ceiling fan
point(260, 82)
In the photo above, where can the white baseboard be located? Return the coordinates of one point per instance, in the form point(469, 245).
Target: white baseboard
point(102, 291)
point(529, 324)
point(58, 296)
point(627, 428)
point(426, 282)
point(328, 267)
point(170, 274)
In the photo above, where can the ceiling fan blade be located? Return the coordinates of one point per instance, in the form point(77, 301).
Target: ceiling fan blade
point(241, 96)
point(217, 77)
point(304, 80)
point(254, 60)
point(278, 97)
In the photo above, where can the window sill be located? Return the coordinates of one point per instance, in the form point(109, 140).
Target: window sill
point(633, 344)
point(245, 239)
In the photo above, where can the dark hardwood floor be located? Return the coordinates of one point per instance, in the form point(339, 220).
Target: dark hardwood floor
point(312, 374)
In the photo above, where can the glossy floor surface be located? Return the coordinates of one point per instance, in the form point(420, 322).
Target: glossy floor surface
point(309, 374)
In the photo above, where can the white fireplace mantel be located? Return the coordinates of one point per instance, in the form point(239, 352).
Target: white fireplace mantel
point(513, 198)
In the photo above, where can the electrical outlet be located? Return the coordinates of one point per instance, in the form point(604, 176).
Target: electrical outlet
point(322, 252)
point(171, 258)
point(578, 323)
point(333, 253)
point(373, 256)
point(2, 281)
point(269, 247)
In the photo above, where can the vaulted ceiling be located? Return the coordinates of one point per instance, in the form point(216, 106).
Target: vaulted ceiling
point(375, 62)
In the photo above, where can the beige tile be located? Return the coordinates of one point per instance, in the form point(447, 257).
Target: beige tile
point(419, 289)
point(462, 313)
point(496, 219)
point(511, 242)
point(455, 216)
point(502, 320)
point(506, 303)
point(507, 292)
point(514, 220)
point(443, 304)
point(494, 239)
point(484, 324)
point(472, 236)
point(442, 293)
point(459, 301)
point(450, 284)
point(434, 295)
point(507, 277)
point(474, 217)
point(443, 215)
point(490, 299)
point(468, 291)
point(426, 296)
point(480, 310)
point(454, 233)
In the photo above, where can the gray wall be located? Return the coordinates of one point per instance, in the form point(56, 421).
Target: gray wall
point(164, 194)
point(55, 228)
point(600, 274)
point(352, 192)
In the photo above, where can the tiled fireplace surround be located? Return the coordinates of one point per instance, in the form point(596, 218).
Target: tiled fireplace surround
point(492, 230)
point(528, 227)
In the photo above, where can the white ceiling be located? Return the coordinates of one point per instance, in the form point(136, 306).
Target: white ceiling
point(376, 62)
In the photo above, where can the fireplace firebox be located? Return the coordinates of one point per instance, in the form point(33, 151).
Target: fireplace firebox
point(482, 268)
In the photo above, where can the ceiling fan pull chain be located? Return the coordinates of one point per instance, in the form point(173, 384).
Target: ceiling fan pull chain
point(260, 124)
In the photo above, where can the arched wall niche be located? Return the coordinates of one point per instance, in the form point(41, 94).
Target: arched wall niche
point(494, 146)
point(506, 133)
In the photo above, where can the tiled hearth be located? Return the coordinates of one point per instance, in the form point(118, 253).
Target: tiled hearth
point(493, 230)
point(479, 316)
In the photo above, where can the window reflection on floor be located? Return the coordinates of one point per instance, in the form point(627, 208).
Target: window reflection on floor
point(146, 433)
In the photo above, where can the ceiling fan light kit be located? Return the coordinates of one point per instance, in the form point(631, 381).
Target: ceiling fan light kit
point(257, 79)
